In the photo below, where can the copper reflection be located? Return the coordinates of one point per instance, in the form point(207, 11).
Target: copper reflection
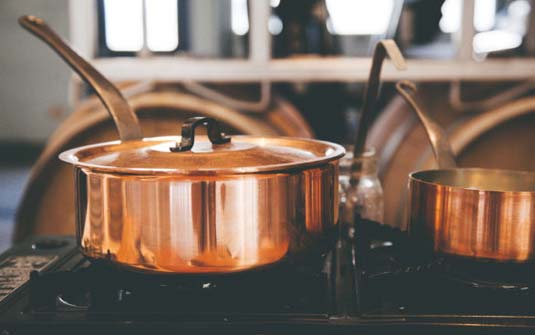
point(475, 223)
point(205, 224)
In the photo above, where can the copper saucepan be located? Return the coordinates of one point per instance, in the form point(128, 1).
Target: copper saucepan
point(195, 204)
point(475, 213)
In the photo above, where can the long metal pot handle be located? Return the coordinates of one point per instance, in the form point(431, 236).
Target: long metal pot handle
point(382, 49)
point(437, 137)
point(125, 119)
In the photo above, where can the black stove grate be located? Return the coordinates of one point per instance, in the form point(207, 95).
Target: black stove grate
point(391, 287)
point(398, 280)
point(100, 290)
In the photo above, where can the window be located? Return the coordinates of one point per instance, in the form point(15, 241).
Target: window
point(132, 25)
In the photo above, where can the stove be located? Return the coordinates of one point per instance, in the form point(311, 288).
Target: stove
point(378, 285)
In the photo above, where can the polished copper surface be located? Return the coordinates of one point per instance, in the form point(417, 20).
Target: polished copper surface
point(181, 204)
point(212, 209)
point(476, 213)
point(204, 224)
point(469, 212)
point(244, 154)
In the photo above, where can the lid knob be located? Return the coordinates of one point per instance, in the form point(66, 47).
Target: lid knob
point(188, 133)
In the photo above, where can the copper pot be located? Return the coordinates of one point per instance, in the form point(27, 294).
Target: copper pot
point(484, 214)
point(195, 204)
point(210, 208)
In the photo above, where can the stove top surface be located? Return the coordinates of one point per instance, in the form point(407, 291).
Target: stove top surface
point(101, 291)
point(385, 288)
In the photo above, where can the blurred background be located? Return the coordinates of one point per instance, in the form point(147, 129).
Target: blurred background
point(266, 67)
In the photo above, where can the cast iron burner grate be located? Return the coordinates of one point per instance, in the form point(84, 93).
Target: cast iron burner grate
point(399, 280)
point(390, 288)
point(97, 289)
point(511, 277)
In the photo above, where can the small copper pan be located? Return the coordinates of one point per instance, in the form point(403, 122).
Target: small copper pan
point(474, 213)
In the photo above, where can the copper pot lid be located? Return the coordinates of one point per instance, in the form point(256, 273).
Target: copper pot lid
point(204, 155)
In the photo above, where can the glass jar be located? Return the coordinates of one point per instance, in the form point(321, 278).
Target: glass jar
point(361, 193)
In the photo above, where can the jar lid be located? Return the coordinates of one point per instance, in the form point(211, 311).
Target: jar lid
point(242, 154)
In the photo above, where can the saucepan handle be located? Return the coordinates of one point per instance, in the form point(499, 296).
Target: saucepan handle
point(125, 119)
point(188, 133)
point(436, 135)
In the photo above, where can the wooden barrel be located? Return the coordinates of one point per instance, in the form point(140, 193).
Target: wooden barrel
point(502, 137)
point(47, 206)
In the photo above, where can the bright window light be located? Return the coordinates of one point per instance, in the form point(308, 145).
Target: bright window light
point(451, 16)
point(496, 40)
point(124, 24)
point(275, 25)
point(359, 17)
point(518, 13)
point(239, 17)
point(519, 8)
point(161, 24)
point(275, 3)
point(484, 15)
